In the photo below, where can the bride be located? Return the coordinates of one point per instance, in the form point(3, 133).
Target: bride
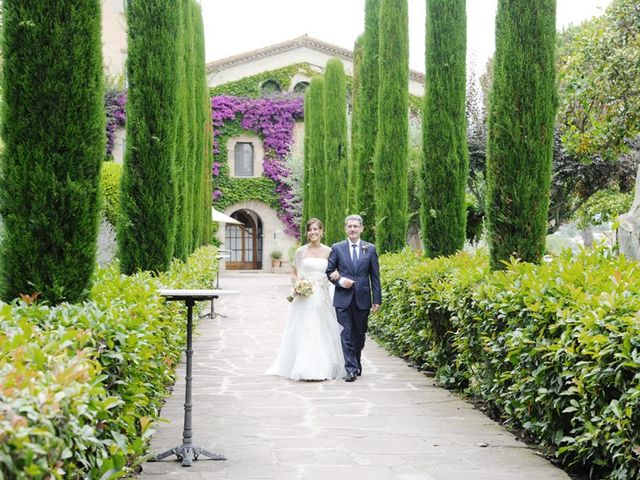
point(311, 348)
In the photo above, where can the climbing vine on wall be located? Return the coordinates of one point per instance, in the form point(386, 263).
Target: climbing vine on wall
point(250, 87)
point(273, 120)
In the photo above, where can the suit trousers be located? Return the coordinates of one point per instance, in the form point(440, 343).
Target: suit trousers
point(354, 329)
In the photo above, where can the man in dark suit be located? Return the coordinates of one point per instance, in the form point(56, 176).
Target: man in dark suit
point(353, 268)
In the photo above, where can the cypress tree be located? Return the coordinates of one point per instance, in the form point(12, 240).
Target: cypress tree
point(392, 142)
point(446, 162)
point(182, 230)
point(314, 121)
point(199, 84)
point(53, 124)
point(355, 159)
point(306, 175)
point(335, 150)
point(205, 136)
point(521, 125)
point(370, 81)
point(189, 178)
point(148, 187)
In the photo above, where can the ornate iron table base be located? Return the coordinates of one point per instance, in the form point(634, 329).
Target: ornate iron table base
point(188, 452)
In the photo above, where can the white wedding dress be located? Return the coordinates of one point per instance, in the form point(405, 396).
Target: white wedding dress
point(311, 347)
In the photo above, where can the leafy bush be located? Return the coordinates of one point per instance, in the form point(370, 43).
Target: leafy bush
point(554, 349)
point(603, 206)
point(82, 385)
point(475, 219)
point(110, 189)
point(557, 352)
point(421, 300)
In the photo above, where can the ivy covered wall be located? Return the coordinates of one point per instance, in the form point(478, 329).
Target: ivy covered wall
point(273, 120)
point(251, 87)
point(239, 110)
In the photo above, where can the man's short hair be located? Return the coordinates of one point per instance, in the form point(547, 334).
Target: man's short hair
point(357, 218)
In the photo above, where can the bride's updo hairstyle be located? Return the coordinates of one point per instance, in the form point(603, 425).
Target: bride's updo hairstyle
point(316, 221)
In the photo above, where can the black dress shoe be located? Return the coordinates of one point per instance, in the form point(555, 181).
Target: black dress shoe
point(351, 377)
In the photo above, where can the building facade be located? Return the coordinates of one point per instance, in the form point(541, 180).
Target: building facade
point(252, 171)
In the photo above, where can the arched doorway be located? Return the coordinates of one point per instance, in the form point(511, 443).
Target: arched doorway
point(244, 242)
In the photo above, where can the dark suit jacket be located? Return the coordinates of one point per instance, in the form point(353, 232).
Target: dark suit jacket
point(365, 272)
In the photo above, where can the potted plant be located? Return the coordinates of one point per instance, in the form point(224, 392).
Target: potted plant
point(276, 258)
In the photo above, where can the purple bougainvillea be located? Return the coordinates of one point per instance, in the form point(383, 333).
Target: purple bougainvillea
point(273, 119)
point(114, 104)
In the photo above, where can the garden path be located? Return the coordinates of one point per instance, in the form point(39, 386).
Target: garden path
point(391, 424)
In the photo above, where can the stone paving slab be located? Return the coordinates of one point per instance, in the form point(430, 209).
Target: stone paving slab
point(391, 424)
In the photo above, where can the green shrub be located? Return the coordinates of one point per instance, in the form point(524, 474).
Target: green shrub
point(553, 349)
point(603, 206)
point(110, 189)
point(420, 300)
point(83, 384)
point(556, 350)
point(475, 219)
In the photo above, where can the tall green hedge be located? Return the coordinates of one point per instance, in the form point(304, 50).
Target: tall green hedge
point(445, 161)
point(83, 384)
point(370, 75)
point(202, 116)
point(146, 231)
point(551, 348)
point(183, 137)
point(314, 121)
point(355, 157)
point(392, 142)
point(197, 68)
point(306, 172)
point(53, 124)
point(335, 150)
point(521, 123)
point(205, 136)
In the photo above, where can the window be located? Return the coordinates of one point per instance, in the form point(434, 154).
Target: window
point(300, 87)
point(270, 87)
point(243, 159)
point(244, 156)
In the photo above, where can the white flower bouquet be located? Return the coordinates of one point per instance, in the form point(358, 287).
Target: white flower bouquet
point(302, 287)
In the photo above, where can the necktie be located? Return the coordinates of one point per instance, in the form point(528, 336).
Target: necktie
point(354, 253)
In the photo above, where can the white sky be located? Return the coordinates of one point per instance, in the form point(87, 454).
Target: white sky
point(238, 26)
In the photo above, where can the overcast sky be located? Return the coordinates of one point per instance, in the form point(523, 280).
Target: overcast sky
point(238, 26)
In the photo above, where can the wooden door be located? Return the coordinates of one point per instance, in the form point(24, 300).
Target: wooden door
point(241, 241)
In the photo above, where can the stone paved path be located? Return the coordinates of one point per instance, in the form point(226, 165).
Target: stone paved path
point(391, 424)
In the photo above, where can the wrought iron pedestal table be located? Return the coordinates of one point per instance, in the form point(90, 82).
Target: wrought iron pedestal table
point(212, 313)
point(187, 452)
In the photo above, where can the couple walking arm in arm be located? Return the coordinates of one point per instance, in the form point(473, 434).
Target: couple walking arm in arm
point(324, 339)
point(354, 270)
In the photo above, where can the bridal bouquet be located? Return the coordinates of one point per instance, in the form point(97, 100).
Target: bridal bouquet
point(302, 287)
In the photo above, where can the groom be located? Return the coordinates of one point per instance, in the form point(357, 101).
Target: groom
point(353, 268)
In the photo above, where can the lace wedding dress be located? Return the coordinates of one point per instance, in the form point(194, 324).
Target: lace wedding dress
point(311, 348)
